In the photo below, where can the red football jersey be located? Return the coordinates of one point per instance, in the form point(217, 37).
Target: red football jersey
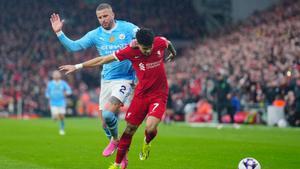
point(150, 70)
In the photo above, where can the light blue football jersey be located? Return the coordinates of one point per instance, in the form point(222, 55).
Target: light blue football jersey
point(107, 42)
point(56, 91)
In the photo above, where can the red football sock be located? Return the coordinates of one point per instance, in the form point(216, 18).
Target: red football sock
point(123, 147)
point(150, 136)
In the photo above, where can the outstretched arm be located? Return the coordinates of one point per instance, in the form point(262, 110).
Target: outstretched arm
point(98, 61)
point(172, 51)
point(70, 45)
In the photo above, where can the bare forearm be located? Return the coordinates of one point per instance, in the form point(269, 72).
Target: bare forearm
point(93, 62)
point(98, 61)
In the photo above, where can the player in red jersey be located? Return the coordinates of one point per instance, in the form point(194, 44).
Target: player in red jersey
point(151, 92)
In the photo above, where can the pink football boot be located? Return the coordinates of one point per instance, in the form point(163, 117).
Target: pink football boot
point(124, 162)
point(110, 148)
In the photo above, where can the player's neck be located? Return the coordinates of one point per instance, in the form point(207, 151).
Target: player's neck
point(113, 25)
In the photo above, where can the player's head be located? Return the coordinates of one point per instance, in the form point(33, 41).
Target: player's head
point(145, 38)
point(105, 15)
point(56, 75)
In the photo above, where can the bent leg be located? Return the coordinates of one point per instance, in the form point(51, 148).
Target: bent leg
point(125, 142)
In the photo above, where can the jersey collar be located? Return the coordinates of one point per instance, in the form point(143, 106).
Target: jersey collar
point(110, 31)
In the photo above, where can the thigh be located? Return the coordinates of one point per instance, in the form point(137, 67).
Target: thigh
point(157, 107)
point(137, 111)
point(121, 89)
point(105, 94)
point(62, 110)
point(54, 111)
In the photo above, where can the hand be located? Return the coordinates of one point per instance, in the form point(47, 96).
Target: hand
point(67, 68)
point(170, 57)
point(56, 23)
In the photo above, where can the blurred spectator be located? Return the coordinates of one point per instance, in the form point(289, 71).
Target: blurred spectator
point(29, 49)
point(203, 113)
point(260, 58)
point(222, 97)
point(168, 116)
point(294, 117)
point(235, 103)
point(290, 108)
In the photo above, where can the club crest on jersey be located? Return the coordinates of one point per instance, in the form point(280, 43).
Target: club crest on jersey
point(142, 67)
point(112, 39)
point(159, 54)
point(122, 36)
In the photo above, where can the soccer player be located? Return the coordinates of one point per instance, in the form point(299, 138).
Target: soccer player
point(56, 91)
point(150, 96)
point(116, 77)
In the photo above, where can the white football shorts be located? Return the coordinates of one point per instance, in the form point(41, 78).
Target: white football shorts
point(55, 110)
point(121, 89)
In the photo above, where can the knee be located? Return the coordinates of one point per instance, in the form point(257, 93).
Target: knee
point(61, 116)
point(152, 124)
point(151, 128)
point(112, 107)
point(114, 104)
point(130, 129)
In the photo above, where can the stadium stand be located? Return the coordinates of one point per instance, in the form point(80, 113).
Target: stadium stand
point(259, 58)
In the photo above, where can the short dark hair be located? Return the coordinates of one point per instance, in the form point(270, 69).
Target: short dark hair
point(145, 36)
point(103, 6)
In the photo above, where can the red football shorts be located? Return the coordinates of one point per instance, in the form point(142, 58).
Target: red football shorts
point(141, 107)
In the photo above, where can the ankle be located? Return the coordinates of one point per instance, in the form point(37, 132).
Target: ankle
point(145, 140)
point(115, 139)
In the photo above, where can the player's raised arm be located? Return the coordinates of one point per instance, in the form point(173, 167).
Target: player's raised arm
point(56, 23)
point(98, 61)
point(71, 45)
point(172, 51)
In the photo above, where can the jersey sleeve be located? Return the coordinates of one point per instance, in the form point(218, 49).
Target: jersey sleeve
point(76, 45)
point(163, 42)
point(123, 54)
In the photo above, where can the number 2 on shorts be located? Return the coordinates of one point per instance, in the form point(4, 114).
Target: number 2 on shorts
point(123, 88)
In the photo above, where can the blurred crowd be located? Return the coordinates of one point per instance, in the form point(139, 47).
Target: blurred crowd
point(170, 18)
point(251, 64)
point(30, 50)
point(248, 66)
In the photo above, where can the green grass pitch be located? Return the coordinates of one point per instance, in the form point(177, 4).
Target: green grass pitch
point(35, 144)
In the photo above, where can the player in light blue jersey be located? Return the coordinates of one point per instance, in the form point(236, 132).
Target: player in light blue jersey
point(56, 91)
point(117, 77)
